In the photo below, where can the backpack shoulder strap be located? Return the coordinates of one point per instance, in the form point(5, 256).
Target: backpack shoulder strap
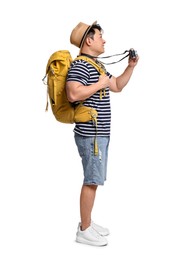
point(98, 65)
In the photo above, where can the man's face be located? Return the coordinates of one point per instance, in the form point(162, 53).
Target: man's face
point(98, 42)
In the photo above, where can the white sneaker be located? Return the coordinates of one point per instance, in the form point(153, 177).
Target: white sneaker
point(101, 230)
point(91, 237)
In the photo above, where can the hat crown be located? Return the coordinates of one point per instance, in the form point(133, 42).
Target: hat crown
point(79, 34)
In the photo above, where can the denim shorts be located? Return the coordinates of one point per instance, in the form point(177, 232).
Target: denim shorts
point(94, 166)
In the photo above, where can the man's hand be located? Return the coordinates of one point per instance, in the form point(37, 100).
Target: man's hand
point(104, 81)
point(133, 61)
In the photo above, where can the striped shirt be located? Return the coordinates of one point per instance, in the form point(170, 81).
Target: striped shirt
point(83, 72)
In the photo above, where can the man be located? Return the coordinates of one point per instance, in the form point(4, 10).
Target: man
point(84, 83)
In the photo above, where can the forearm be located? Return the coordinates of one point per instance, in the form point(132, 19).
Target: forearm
point(123, 79)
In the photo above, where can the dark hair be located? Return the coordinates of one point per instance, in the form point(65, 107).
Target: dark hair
point(91, 31)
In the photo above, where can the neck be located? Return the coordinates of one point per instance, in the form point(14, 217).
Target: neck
point(88, 55)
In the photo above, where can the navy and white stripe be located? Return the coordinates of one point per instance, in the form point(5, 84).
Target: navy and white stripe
point(83, 72)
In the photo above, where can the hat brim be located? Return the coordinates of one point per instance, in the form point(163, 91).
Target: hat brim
point(85, 34)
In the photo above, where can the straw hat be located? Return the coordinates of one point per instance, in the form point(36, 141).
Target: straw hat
point(79, 34)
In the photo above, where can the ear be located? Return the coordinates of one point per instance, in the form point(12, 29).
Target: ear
point(89, 41)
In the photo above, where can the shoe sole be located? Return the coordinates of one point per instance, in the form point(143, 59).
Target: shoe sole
point(87, 242)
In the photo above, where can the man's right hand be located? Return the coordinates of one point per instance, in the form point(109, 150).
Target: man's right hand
point(104, 81)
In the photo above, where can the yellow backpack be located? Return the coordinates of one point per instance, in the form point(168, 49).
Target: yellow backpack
point(64, 112)
point(56, 73)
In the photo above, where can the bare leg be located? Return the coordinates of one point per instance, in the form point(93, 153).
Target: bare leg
point(87, 199)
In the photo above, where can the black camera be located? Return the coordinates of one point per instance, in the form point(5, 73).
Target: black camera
point(133, 54)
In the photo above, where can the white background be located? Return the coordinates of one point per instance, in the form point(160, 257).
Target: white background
point(143, 202)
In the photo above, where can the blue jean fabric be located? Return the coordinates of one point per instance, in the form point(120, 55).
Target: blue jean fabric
point(94, 166)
